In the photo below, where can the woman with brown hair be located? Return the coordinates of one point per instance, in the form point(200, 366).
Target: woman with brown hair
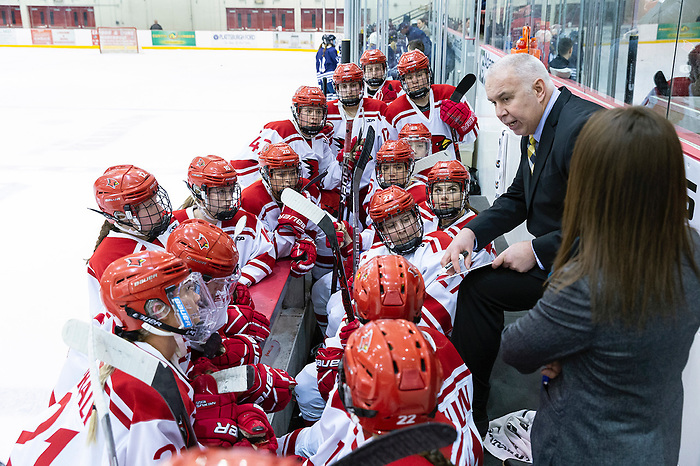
point(622, 307)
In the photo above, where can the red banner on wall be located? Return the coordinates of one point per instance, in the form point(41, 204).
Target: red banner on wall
point(42, 37)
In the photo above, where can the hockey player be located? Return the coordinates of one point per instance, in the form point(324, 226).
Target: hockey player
point(326, 61)
point(391, 377)
point(390, 287)
point(430, 104)
point(153, 287)
point(216, 198)
point(374, 66)
point(363, 112)
point(306, 133)
point(419, 138)
point(138, 218)
point(293, 235)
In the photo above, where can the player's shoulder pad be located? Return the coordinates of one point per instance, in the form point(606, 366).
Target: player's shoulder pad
point(255, 197)
point(372, 104)
point(442, 91)
point(438, 239)
point(285, 128)
point(397, 106)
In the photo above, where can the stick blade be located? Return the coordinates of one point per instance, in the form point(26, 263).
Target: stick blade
point(400, 444)
point(463, 87)
point(429, 161)
point(308, 209)
point(111, 349)
point(235, 380)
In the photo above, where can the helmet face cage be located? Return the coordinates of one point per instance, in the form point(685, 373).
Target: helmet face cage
point(447, 198)
point(277, 179)
point(220, 202)
point(393, 173)
point(416, 83)
point(310, 119)
point(402, 232)
point(150, 218)
point(349, 92)
point(374, 73)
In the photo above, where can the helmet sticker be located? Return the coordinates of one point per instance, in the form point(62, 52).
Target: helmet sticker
point(112, 183)
point(363, 346)
point(202, 242)
point(135, 262)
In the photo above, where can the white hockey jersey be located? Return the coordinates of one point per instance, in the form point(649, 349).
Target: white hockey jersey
point(145, 432)
point(256, 253)
point(403, 111)
point(336, 434)
point(315, 154)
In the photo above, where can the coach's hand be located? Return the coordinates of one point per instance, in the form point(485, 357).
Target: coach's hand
point(518, 257)
point(463, 243)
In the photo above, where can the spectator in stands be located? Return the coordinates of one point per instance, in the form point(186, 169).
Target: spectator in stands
point(414, 33)
point(548, 119)
point(560, 66)
point(422, 24)
point(155, 26)
point(613, 332)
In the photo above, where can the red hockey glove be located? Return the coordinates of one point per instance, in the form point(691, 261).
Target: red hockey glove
point(272, 389)
point(303, 257)
point(293, 221)
point(201, 366)
point(246, 320)
point(348, 330)
point(254, 427)
point(215, 418)
point(241, 295)
point(459, 116)
point(327, 360)
point(239, 350)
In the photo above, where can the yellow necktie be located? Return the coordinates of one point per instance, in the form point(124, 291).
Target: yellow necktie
point(531, 156)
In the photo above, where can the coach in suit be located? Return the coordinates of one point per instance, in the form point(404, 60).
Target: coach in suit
point(549, 120)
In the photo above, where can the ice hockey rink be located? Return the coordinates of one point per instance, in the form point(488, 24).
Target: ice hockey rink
point(65, 116)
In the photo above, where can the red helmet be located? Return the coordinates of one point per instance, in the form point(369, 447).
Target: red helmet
point(445, 171)
point(394, 152)
point(308, 96)
point(373, 57)
point(389, 287)
point(413, 60)
point(211, 171)
point(134, 280)
point(237, 456)
point(276, 156)
point(388, 204)
point(413, 131)
point(123, 189)
point(204, 247)
point(370, 57)
point(390, 377)
point(347, 73)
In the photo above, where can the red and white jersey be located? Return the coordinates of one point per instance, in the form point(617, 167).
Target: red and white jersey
point(315, 154)
point(370, 112)
point(256, 253)
point(336, 434)
point(403, 111)
point(440, 302)
point(257, 200)
point(387, 92)
point(143, 426)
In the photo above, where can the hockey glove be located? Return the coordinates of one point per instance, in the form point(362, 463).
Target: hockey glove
point(272, 389)
point(255, 428)
point(303, 257)
point(215, 418)
point(248, 321)
point(241, 295)
point(348, 330)
point(327, 361)
point(202, 366)
point(292, 221)
point(459, 116)
point(343, 233)
point(238, 350)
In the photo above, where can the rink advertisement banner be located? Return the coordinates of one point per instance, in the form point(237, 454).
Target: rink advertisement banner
point(234, 39)
point(7, 36)
point(63, 36)
point(174, 38)
point(669, 31)
point(42, 37)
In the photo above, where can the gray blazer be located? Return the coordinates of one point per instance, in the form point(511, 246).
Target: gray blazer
point(619, 397)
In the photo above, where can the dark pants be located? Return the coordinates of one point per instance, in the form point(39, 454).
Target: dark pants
point(483, 296)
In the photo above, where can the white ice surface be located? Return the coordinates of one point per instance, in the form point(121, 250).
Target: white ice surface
point(65, 116)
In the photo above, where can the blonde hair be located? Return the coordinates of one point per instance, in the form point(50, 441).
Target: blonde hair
point(104, 372)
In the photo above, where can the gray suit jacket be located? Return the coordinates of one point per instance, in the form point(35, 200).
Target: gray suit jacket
point(619, 397)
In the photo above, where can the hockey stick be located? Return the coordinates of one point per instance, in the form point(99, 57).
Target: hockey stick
point(401, 443)
point(430, 160)
point(314, 180)
point(356, 179)
point(308, 209)
point(235, 379)
point(131, 360)
point(462, 88)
